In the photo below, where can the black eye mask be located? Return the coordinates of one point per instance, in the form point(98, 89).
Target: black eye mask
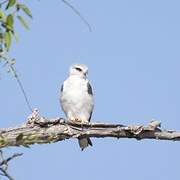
point(79, 69)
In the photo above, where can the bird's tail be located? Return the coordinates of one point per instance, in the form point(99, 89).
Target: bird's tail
point(84, 142)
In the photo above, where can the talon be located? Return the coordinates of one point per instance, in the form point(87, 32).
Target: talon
point(78, 120)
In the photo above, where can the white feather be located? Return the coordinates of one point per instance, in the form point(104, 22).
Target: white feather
point(75, 100)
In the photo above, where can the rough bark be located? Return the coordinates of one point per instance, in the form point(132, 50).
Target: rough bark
point(39, 130)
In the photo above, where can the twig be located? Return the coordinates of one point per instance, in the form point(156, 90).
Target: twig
point(10, 158)
point(8, 62)
point(78, 13)
point(5, 173)
point(4, 164)
point(21, 87)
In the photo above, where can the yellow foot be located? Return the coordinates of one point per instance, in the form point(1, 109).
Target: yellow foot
point(77, 120)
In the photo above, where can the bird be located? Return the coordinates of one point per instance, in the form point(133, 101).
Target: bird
point(76, 99)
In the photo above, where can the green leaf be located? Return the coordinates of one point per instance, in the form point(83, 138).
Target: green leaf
point(10, 3)
point(25, 9)
point(23, 22)
point(10, 22)
point(7, 39)
point(2, 15)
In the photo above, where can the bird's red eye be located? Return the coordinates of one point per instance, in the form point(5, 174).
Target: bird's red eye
point(79, 69)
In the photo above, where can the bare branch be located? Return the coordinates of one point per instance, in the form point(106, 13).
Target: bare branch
point(21, 87)
point(40, 130)
point(10, 158)
point(5, 173)
point(4, 164)
point(9, 62)
point(78, 13)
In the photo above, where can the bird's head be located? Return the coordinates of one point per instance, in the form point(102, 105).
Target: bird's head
point(79, 70)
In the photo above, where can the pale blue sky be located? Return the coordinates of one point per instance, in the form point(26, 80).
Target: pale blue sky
point(133, 59)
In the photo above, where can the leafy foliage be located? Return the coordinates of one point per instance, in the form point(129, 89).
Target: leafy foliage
point(10, 11)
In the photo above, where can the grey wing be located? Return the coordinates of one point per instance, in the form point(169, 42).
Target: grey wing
point(90, 92)
point(90, 115)
point(89, 88)
point(62, 99)
point(62, 87)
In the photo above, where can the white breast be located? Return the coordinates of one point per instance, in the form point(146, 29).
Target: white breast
point(75, 100)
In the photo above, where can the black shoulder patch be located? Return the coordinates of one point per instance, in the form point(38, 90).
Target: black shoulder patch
point(62, 88)
point(90, 116)
point(89, 88)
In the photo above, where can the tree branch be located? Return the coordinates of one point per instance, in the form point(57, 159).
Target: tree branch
point(41, 130)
